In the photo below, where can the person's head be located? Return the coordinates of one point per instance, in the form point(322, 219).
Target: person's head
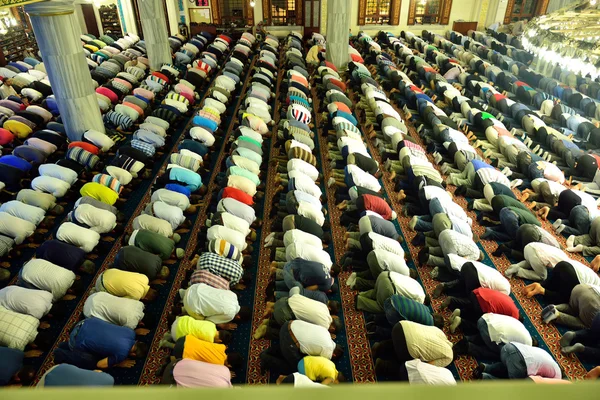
point(334, 288)
point(335, 270)
point(58, 310)
point(481, 256)
point(326, 237)
point(203, 189)
point(88, 267)
point(149, 321)
point(77, 287)
point(427, 300)
point(333, 306)
point(139, 350)
point(151, 295)
point(438, 321)
point(244, 315)
point(43, 340)
point(163, 273)
point(535, 342)
point(521, 319)
point(413, 274)
point(223, 337)
point(595, 263)
point(25, 375)
point(338, 352)
point(247, 277)
point(340, 378)
point(234, 360)
point(247, 261)
point(336, 324)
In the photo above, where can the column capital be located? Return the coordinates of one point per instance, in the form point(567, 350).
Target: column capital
point(50, 8)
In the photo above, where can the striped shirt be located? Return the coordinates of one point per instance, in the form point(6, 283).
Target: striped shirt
point(146, 148)
point(298, 152)
point(225, 249)
point(118, 120)
point(82, 156)
point(411, 310)
point(205, 276)
point(185, 161)
point(108, 181)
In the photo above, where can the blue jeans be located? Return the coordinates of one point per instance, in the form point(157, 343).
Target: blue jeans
point(509, 224)
point(511, 365)
point(579, 222)
point(424, 224)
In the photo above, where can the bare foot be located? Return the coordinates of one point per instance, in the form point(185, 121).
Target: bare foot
point(534, 289)
point(532, 205)
point(401, 195)
point(524, 197)
point(543, 212)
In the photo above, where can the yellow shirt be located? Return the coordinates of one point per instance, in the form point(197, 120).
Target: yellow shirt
point(319, 368)
point(199, 350)
point(17, 128)
point(99, 192)
point(186, 325)
point(130, 285)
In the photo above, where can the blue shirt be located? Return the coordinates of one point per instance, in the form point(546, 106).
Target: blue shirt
point(61, 253)
point(11, 361)
point(194, 146)
point(347, 116)
point(103, 339)
point(205, 123)
point(70, 375)
point(478, 164)
point(174, 187)
point(16, 162)
point(192, 180)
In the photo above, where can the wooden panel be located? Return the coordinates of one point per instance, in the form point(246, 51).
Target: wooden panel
point(509, 7)
point(446, 8)
point(464, 27)
point(214, 10)
point(395, 12)
point(541, 7)
point(90, 19)
point(412, 9)
point(362, 11)
point(299, 13)
point(266, 11)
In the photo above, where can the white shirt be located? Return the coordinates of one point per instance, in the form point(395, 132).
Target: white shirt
point(386, 243)
point(47, 184)
point(538, 361)
point(120, 174)
point(311, 212)
point(56, 171)
point(541, 256)
point(420, 372)
point(363, 179)
point(216, 305)
point(314, 340)
point(303, 381)
point(242, 183)
point(236, 223)
point(85, 239)
point(172, 198)
point(32, 214)
point(101, 221)
point(309, 253)
point(407, 286)
point(153, 224)
point(505, 329)
point(99, 139)
point(489, 278)
point(307, 169)
point(172, 214)
point(202, 135)
point(116, 310)
point(36, 303)
point(585, 274)
point(310, 310)
point(299, 236)
point(388, 261)
point(432, 192)
point(47, 276)
point(305, 184)
point(16, 228)
point(227, 234)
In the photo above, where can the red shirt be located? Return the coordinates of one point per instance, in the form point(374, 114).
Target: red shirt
point(378, 205)
point(6, 137)
point(492, 301)
point(338, 83)
point(330, 65)
point(86, 146)
point(238, 195)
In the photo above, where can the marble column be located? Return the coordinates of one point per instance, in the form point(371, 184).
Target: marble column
point(57, 34)
point(152, 14)
point(338, 32)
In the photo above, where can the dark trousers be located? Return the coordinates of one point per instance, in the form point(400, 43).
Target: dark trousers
point(389, 366)
point(560, 284)
point(470, 311)
point(467, 281)
point(567, 200)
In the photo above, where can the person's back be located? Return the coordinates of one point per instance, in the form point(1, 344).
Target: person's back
point(427, 343)
point(538, 361)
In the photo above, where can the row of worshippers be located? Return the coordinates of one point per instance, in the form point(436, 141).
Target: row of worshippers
point(210, 308)
point(528, 229)
point(300, 319)
point(52, 271)
point(574, 212)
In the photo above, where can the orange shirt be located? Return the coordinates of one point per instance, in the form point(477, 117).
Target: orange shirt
point(199, 350)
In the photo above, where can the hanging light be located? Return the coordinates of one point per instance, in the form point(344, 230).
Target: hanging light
point(252, 3)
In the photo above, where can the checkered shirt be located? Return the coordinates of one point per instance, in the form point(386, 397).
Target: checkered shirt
point(221, 266)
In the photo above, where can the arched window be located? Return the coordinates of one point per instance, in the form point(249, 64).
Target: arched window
point(379, 12)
